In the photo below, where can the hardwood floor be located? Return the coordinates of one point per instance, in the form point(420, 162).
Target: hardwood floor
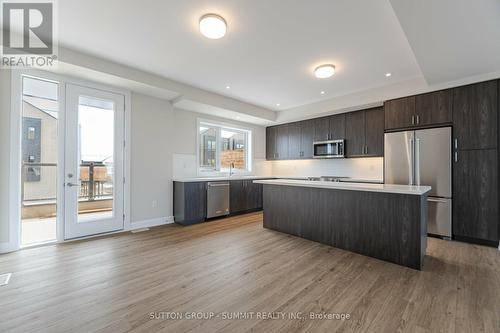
point(114, 284)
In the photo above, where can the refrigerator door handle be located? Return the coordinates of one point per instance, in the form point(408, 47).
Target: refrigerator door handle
point(417, 161)
point(410, 165)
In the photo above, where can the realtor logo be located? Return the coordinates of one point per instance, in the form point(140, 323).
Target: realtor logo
point(28, 34)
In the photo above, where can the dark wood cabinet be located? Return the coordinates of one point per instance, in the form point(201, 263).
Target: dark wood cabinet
point(237, 196)
point(434, 108)
point(294, 140)
point(400, 113)
point(190, 202)
point(337, 126)
point(307, 138)
point(244, 196)
point(364, 133)
point(277, 142)
point(355, 134)
point(374, 132)
point(282, 142)
point(271, 143)
point(475, 195)
point(321, 129)
point(475, 116)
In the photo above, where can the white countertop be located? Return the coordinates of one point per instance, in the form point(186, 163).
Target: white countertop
point(387, 188)
point(218, 178)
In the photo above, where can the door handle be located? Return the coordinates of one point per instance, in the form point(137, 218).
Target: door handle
point(72, 184)
point(412, 157)
point(417, 162)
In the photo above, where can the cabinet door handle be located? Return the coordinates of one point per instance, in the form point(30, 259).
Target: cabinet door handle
point(456, 143)
point(366, 150)
point(456, 156)
point(413, 120)
point(418, 119)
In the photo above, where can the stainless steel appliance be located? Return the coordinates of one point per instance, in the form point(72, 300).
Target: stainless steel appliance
point(217, 199)
point(329, 149)
point(423, 157)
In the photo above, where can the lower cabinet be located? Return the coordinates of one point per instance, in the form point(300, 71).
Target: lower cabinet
point(190, 202)
point(244, 196)
point(475, 195)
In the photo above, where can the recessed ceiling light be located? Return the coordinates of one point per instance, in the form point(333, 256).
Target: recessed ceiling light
point(213, 26)
point(387, 74)
point(228, 87)
point(324, 71)
point(278, 104)
point(322, 92)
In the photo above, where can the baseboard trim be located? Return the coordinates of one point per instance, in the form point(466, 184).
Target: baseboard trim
point(7, 247)
point(152, 222)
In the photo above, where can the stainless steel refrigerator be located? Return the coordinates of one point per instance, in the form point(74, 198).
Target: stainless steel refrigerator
point(423, 157)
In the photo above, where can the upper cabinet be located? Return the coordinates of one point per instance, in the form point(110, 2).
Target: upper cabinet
point(306, 138)
point(434, 108)
point(321, 129)
point(282, 142)
point(400, 113)
point(336, 125)
point(271, 143)
point(475, 116)
point(329, 128)
point(364, 133)
point(277, 142)
point(294, 139)
point(362, 130)
point(355, 134)
point(374, 131)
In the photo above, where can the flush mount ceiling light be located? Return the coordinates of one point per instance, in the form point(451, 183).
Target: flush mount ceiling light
point(324, 71)
point(388, 74)
point(322, 92)
point(213, 26)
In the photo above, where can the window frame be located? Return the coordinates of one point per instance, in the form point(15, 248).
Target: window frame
point(219, 126)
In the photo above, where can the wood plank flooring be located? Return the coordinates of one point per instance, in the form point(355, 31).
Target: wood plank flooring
point(116, 283)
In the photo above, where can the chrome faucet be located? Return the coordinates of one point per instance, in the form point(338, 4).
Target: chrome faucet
point(231, 167)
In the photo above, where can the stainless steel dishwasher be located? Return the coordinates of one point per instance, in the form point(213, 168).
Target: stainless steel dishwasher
point(217, 199)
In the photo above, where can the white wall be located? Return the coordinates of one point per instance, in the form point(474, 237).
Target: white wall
point(164, 148)
point(152, 143)
point(358, 168)
point(5, 85)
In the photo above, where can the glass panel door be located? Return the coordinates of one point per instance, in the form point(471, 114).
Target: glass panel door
point(39, 164)
point(94, 161)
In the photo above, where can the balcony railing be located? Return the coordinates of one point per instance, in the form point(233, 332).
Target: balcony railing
point(96, 183)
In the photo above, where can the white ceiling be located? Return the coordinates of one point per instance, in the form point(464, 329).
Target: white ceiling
point(272, 47)
point(268, 55)
point(452, 39)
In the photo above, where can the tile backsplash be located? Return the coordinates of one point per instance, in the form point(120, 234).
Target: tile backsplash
point(184, 166)
point(359, 168)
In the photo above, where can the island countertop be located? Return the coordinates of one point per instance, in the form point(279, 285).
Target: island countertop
point(386, 188)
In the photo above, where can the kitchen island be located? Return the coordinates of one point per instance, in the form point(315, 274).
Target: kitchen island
point(384, 221)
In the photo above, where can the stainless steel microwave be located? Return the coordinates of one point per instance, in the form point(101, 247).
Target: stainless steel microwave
point(329, 149)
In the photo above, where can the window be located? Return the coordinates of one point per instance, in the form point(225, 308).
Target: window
point(221, 146)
